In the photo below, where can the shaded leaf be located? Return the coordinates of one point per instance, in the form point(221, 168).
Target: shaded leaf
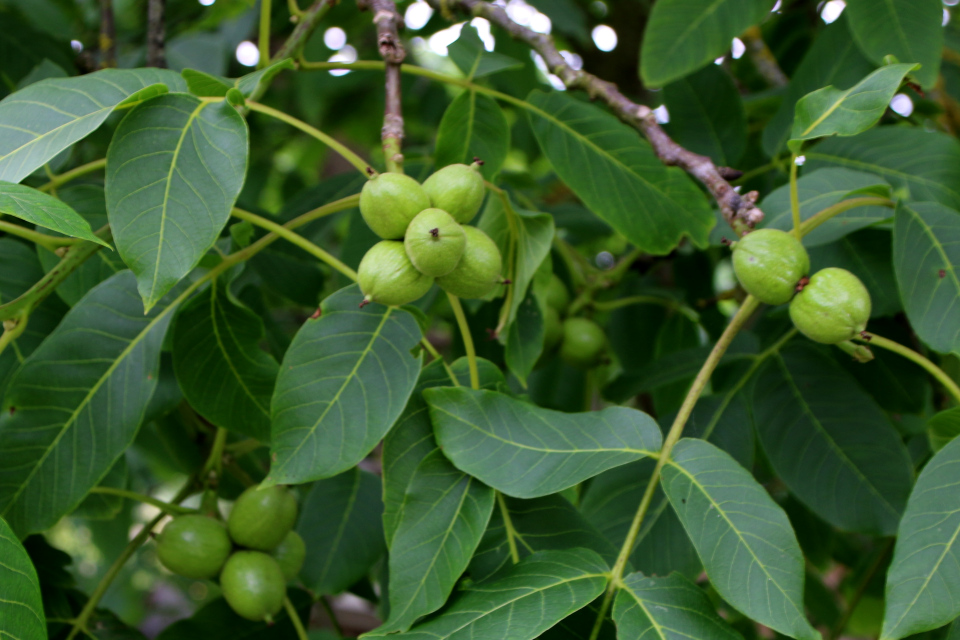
point(444, 515)
point(223, 372)
point(919, 164)
point(215, 620)
point(21, 608)
point(44, 210)
point(101, 506)
point(667, 608)
point(340, 522)
point(617, 175)
point(174, 170)
point(926, 259)
point(75, 405)
point(473, 60)
point(525, 338)
point(831, 111)
point(525, 451)
point(923, 582)
point(534, 595)
point(48, 116)
point(343, 383)
point(743, 537)
point(683, 35)
point(830, 442)
point(910, 30)
point(707, 116)
point(473, 126)
point(943, 427)
point(868, 255)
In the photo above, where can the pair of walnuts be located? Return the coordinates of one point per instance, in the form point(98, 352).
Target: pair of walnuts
point(832, 306)
point(426, 238)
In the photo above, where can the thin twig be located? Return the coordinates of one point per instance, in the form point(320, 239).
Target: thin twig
point(108, 35)
point(156, 33)
point(763, 59)
point(740, 211)
point(388, 22)
point(295, 619)
point(306, 22)
point(263, 38)
point(165, 507)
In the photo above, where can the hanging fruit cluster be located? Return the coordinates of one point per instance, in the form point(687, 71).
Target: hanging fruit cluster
point(254, 554)
point(426, 238)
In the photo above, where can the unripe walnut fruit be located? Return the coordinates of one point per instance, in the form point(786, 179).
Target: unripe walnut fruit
point(389, 202)
point(769, 263)
point(557, 295)
point(583, 343)
point(261, 518)
point(457, 189)
point(194, 546)
point(479, 269)
point(387, 276)
point(434, 242)
point(290, 554)
point(552, 330)
point(253, 585)
point(833, 307)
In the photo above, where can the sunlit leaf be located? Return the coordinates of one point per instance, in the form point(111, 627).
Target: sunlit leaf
point(44, 210)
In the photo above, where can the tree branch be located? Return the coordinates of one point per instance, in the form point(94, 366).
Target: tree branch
point(740, 211)
point(156, 34)
point(108, 35)
point(307, 21)
point(763, 59)
point(388, 22)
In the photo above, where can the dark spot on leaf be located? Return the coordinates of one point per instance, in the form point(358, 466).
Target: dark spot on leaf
point(13, 410)
point(942, 273)
point(683, 500)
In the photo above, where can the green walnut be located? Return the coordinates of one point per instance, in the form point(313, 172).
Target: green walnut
point(583, 343)
point(479, 269)
point(261, 518)
point(253, 585)
point(833, 307)
point(434, 242)
point(290, 555)
point(389, 202)
point(194, 546)
point(552, 330)
point(457, 189)
point(387, 276)
point(557, 295)
point(769, 263)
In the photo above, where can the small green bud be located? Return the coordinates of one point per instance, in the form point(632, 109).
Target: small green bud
point(434, 242)
point(387, 276)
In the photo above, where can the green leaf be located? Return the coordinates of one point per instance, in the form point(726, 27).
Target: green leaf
point(101, 506)
point(343, 383)
point(818, 190)
point(667, 608)
point(943, 427)
point(533, 234)
point(831, 111)
point(90, 202)
point(47, 117)
point(76, 403)
point(540, 524)
point(683, 35)
point(201, 83)
point(445, 513)
point(707, 116)
point(830, 443)
point(926, 259)
point(868, 255)
point(411, 439)
point(534, 595)
point(833, 59)
point(340, 522)
point(909, 30)
point(525, 451)
point(923, 582)
point(473, 60)
point(473, 126)
point(21, 608)
point(223, 372)
point(617, 175)
point(920, 165)
point(174, 169)
point(743, 537)
point(44, 210)
point(525, 338)
point(215, 620)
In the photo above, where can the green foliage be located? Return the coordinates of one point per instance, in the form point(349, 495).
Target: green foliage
point(617, 432)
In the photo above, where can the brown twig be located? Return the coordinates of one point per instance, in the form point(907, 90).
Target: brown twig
point(156, 33)
point(740, 211)
point(388, 22)
point(108, 35)
point(763, 59)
